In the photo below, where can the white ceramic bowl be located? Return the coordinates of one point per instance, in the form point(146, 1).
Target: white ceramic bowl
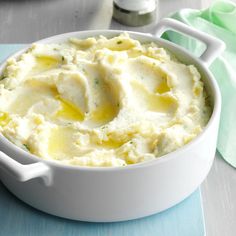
point(107, 194)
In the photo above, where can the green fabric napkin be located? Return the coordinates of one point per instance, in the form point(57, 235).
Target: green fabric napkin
point(218, 20)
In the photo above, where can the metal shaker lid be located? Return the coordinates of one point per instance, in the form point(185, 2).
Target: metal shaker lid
point(134, 12)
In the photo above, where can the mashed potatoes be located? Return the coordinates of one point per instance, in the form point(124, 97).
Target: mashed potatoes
point(101, 102)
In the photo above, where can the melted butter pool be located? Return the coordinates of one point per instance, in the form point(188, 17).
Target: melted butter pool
point(153, 101)
point(44, 63)
point(68, 111)
point(103, 113)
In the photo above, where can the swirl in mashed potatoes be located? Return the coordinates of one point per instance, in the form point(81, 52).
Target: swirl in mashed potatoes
point(101, 102)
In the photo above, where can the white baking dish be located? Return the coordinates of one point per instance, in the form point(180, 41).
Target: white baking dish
point(107, 194)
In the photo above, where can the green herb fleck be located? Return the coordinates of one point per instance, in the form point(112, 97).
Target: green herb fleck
point(26, 146)
point(119, 42)
point(131, 142)
point(96, 81)
point(63, 58)
point(3, 77)
point(118, 104)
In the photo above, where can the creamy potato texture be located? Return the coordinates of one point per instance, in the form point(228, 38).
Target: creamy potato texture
point(101, 102)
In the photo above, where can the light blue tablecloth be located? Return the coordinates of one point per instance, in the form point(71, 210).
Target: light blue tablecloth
point(18, 219)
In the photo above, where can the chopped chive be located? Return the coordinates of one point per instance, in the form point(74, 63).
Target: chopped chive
point(119, 42)
point(63, 58)
point(26, 146)
point(96, 81)
point(3, 77)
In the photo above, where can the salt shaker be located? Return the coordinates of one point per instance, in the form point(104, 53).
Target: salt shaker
point(134, 12)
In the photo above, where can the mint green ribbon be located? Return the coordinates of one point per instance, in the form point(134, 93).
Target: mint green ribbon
point(218, 20)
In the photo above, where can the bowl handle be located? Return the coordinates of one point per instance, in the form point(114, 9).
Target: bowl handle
point(25, 172)
point(214, 46)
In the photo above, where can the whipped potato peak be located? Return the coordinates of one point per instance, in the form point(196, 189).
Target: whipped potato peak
point(101, 101)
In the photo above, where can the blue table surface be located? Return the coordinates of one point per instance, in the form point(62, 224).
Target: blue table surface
point(19, 219)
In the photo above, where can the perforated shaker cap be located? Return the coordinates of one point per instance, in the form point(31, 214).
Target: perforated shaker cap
point(134, 12)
